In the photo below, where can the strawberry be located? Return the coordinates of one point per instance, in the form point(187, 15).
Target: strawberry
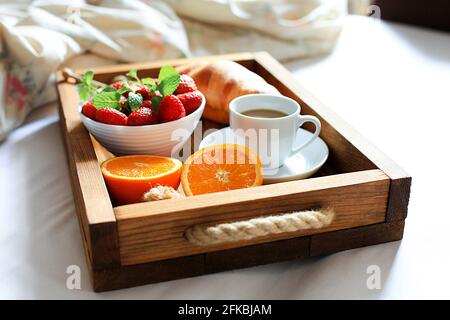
point(142, 116)
point(111, 116)
point(117, 85)
point(191, 100)
point(145, 93)
point(146, 104)
point(187, 84)
point(89, 110)
point(170, 109)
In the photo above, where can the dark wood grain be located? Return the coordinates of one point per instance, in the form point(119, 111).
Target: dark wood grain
point(398, 199)
point(356, 237)
point(140, 274)
point(257, 255)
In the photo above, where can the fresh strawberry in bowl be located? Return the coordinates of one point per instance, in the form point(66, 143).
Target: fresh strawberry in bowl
point(89, 110)
point(187, 84)
point(142, 116)
point(191, 100)
point(170, 109)
point(111, 116)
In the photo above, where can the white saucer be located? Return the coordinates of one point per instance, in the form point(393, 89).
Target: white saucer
point(301, 165)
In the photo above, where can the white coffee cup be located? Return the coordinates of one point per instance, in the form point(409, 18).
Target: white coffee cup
point(272, 138)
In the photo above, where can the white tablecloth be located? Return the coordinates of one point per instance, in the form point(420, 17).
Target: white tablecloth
point(389, 81)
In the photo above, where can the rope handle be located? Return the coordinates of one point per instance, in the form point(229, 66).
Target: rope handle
point(202, 235)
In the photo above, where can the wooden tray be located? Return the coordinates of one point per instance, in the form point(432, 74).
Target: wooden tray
point(144, 243)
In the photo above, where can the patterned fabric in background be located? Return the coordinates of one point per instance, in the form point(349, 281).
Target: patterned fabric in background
point(38, 37)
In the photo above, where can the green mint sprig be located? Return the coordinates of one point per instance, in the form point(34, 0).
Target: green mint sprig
point(133, 75)
point(86, 88)
point(150, 83)
point(109, 99)
point(168, 80)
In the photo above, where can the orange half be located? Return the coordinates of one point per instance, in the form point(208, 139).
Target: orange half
point(220, 168)
point(129, 177)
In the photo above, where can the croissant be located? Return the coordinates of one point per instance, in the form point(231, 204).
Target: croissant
point(221, 81)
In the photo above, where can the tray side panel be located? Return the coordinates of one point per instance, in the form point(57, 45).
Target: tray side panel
point(139, 274)
point(354, 238)
point(155, 231)
point(134, 275)
point(93, 206)
point(250, 256)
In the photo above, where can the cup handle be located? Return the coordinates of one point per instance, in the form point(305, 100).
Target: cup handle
point(301, 121)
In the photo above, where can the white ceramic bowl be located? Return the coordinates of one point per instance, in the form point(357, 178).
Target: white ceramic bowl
point(164, 139)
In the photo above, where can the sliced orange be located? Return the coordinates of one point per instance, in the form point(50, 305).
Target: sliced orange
point(221, 167)
point(129, 177)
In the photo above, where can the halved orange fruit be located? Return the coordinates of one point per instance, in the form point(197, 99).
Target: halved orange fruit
point(221, 167)
point(129, 177)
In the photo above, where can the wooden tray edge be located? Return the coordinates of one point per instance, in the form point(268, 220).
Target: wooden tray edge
point(267, 253)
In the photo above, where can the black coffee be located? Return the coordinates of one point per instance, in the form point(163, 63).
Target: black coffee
point(264, 113)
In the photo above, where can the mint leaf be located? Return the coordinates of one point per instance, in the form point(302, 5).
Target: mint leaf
point(133, 75)
point(168, 85)
point(134, 100)
point(88, 77)
point(123, 89)
point(155, 102)
point(85, 91)
point(85, 88)
point(166, 72)
point(168, 80)
point(108, 89)
point(148, 81)
point(107, 100)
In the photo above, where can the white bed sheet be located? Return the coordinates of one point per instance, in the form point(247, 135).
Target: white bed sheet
point(389, 81)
